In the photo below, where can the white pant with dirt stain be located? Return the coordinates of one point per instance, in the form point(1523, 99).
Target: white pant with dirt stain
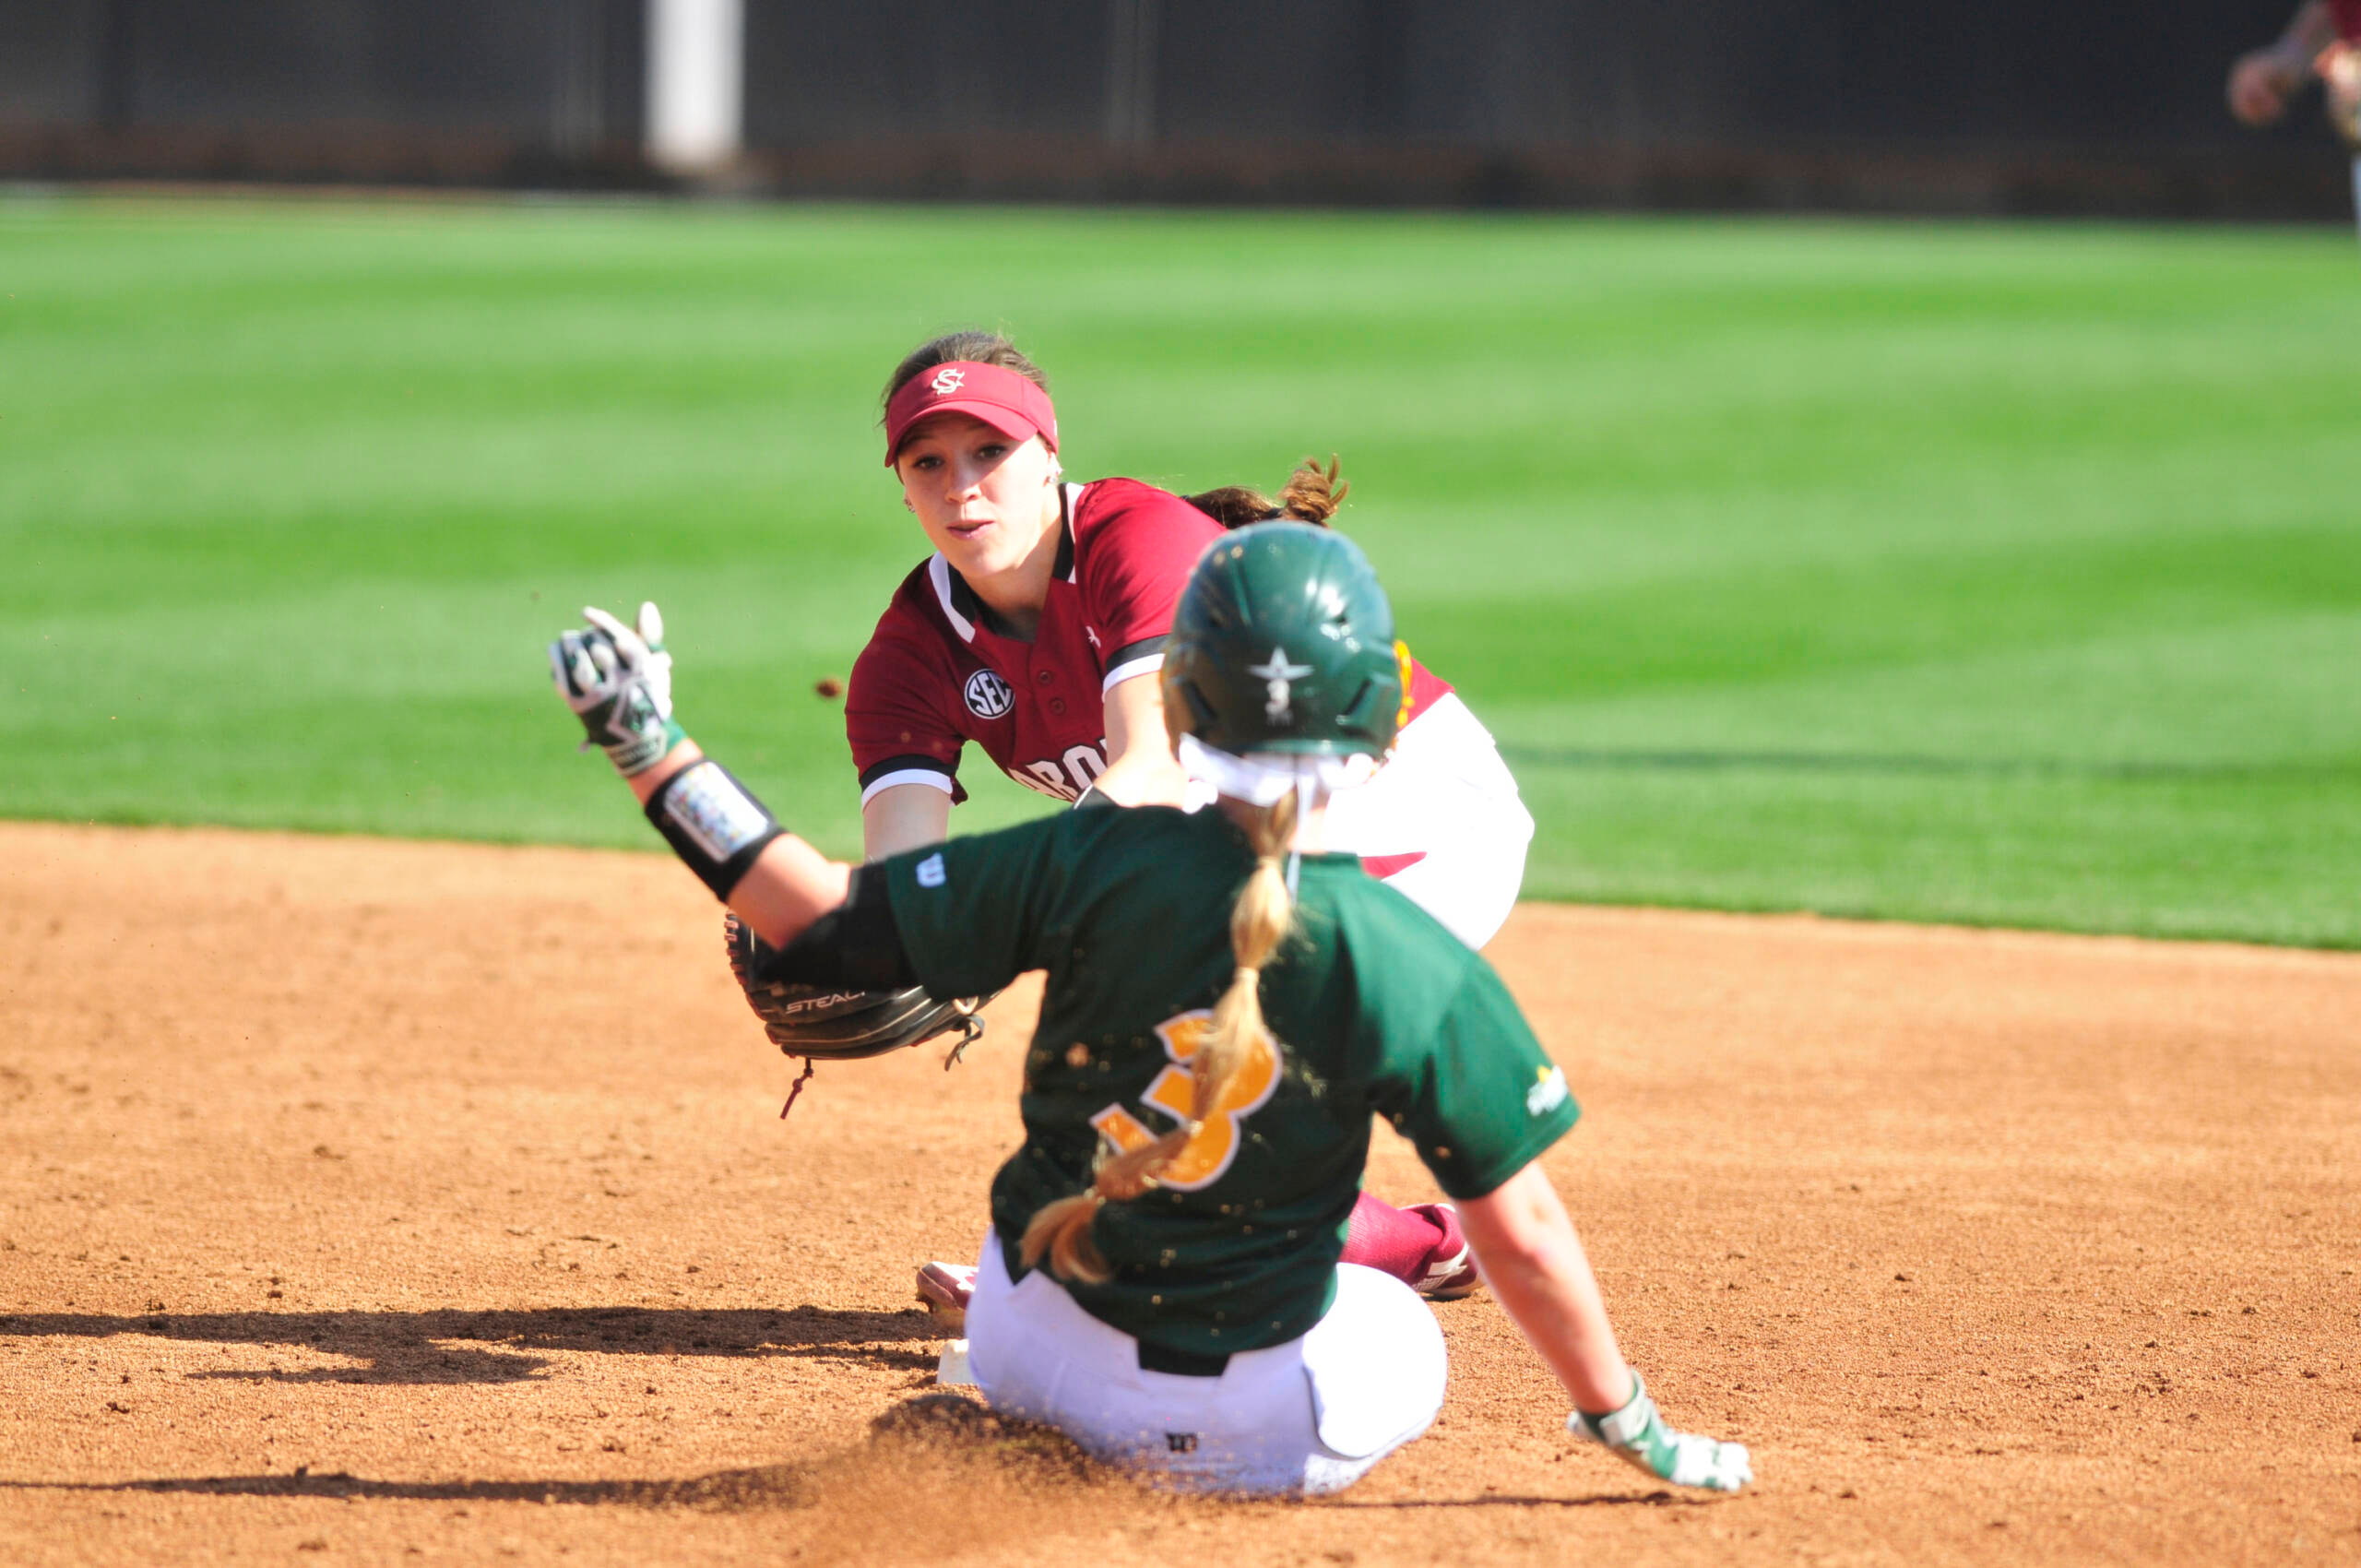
point(1311, 1416)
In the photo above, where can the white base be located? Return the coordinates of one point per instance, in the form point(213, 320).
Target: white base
point(951, 1372)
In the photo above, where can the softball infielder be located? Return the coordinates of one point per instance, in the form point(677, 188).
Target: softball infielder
point(1036, 631)
point(1226, 1007)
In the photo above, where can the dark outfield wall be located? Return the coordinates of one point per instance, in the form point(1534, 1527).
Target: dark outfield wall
point(430, 91)
point(2045, 105)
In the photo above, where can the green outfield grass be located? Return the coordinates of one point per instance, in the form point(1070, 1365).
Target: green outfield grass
point(1948, 572)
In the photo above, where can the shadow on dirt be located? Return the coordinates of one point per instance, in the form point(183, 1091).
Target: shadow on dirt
point(1503, 1500)
point(942, 1447)
point(758, 1487)
point(938, 1444)
point(763, 1486)
point(453, 1346)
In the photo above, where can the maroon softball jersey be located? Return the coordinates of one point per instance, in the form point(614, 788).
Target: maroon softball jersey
point(2348, 18)
point(934, 675)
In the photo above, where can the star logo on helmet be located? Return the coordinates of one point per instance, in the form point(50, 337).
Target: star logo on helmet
point(1278, 677)
point(947, 380)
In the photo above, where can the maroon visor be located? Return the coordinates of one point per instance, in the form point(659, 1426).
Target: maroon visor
point(1000, 398)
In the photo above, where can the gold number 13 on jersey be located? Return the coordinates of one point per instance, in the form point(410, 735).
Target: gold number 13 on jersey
point(1207, 1155)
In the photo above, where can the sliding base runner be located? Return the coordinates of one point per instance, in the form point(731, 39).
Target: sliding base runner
point(1226, 1010)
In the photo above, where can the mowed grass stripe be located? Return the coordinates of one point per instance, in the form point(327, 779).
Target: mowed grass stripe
point(1993, 572)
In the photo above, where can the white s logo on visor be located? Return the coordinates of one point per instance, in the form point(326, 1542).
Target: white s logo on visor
point(947, 380)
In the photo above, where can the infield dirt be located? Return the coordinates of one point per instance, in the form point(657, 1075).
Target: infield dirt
point(380, 1202)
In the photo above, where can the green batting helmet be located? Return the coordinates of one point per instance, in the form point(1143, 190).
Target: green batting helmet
point(1283, 641)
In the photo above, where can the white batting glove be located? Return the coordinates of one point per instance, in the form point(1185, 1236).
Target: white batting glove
point(618, 681)
point(1637, 1435)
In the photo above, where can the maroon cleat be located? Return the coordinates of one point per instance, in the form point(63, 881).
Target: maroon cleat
point(943, 1289)
point(1451, 1267)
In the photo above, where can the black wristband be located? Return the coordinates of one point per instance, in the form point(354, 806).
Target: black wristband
point(713, 823)
point(1092, 797)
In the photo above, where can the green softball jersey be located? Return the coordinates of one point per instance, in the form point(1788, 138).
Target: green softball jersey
point(1380, 1008)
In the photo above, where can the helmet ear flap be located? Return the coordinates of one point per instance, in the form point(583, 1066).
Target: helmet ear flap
point(1200, 712)
point(1193, 715)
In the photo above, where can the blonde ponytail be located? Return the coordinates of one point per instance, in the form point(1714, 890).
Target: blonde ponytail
point(1258, 923)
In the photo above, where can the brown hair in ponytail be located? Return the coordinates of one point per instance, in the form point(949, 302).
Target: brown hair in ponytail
point(1258, 923)
point(1312, 495)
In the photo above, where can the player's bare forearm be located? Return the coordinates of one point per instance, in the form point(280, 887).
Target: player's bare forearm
point(1145, 776)
point(1140, 769)
point(1535, 1263)
point(791, 886)
point(645, 784)
point(904, 817)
